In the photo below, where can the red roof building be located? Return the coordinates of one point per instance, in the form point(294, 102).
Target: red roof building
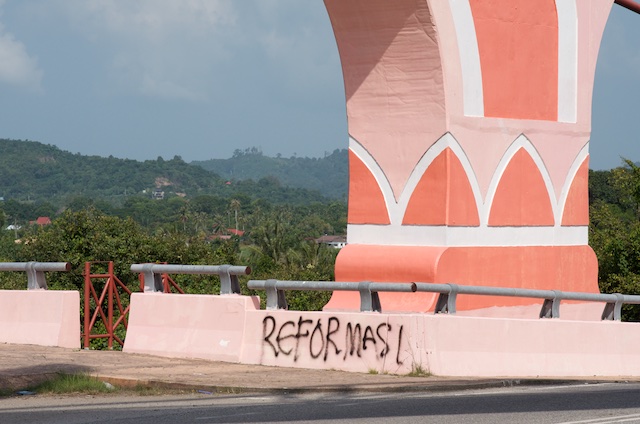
point(41, 221)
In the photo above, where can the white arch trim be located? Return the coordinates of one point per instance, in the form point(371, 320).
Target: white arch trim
point(521, 142)
point(573, 171)
point(414, 235)
point(397, 208)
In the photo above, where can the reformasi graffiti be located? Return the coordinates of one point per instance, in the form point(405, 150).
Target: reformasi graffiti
point(319, 339)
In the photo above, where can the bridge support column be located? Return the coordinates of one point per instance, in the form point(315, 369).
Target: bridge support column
point(469, 125)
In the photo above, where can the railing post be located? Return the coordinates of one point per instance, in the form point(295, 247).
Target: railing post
point(275, 298)
point(152, 281)
point(111, 286)
point(446, 303)
point(369, 301)
point(613, 311)
point(229, 284)
point(551, 307)
point(87, 305)
point(35, 279)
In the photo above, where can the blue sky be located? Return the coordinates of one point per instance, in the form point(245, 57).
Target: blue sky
point(201, 78)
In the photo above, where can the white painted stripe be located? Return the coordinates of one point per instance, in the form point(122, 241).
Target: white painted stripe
point(406, 235)
point(604, 420)
point(469, 57)
point(573, 171)
point(567, 60)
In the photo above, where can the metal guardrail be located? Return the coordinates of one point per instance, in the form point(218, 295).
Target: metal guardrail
point(36, 279)
point(446, 303)
point(369, 299)
point(228, 274)
point(550, 308)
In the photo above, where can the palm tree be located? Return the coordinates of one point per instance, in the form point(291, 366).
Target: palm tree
point(185, 214)
point(235, 205)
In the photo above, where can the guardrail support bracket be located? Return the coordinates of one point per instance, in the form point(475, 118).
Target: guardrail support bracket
point(369, 301)
point(229, 283)
point(152, 281)
point(551, 307)
point(35, 279)
point(613, 310)
point(446, 303)
point(275, 298)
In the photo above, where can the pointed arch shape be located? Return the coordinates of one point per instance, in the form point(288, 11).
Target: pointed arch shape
point(398, 207)
point(521, 142)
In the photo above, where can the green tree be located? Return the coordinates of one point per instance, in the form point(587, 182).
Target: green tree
point(614, 233)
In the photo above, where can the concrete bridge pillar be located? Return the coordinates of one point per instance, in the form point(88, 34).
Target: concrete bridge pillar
point(469, 125)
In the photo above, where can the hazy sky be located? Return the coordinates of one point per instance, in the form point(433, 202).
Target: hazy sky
point(201, 78)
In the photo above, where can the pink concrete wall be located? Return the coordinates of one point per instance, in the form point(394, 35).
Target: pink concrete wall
point(445, 345)
point(357, 342)
point(233, 329)
point(40, 317)
point(188, 326)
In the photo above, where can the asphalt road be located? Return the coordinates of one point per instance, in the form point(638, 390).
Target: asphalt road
point(586, 403)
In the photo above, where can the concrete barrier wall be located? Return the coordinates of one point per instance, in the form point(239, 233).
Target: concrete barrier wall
point(40, 317)
point(356, 341)
point(233, 329)
point(445, 345)
point(188, 326)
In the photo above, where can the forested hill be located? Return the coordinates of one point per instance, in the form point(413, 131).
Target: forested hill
point(328, 175)
point(32, 171)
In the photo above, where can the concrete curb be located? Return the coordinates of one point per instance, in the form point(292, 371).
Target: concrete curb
point(425, 386)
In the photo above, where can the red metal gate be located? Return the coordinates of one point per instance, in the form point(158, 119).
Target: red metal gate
point(112, 295)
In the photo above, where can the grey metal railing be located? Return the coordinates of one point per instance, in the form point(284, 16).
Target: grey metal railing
point(550, 308)
point(446, 303)
point(36, 279)
point(369, 299)
point(228, 275)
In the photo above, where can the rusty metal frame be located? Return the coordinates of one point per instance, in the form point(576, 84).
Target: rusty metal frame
point(110, 293)
point(629, 4)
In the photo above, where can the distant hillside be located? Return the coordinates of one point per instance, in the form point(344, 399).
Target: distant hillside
point(32, 171)
point(328, 175)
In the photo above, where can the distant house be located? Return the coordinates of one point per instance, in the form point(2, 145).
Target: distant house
point(228, 234)
point(219, 237)
point(158, 194)
point(41, 221)
point(334, 241)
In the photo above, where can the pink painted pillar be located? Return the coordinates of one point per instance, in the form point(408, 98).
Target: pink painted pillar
point(469, 125)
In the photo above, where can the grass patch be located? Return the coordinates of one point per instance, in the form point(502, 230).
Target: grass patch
point(418, 371)
point(373, 371)
point(84, 384)
point(6, 393)
point(73, 383)
point(155, 390)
